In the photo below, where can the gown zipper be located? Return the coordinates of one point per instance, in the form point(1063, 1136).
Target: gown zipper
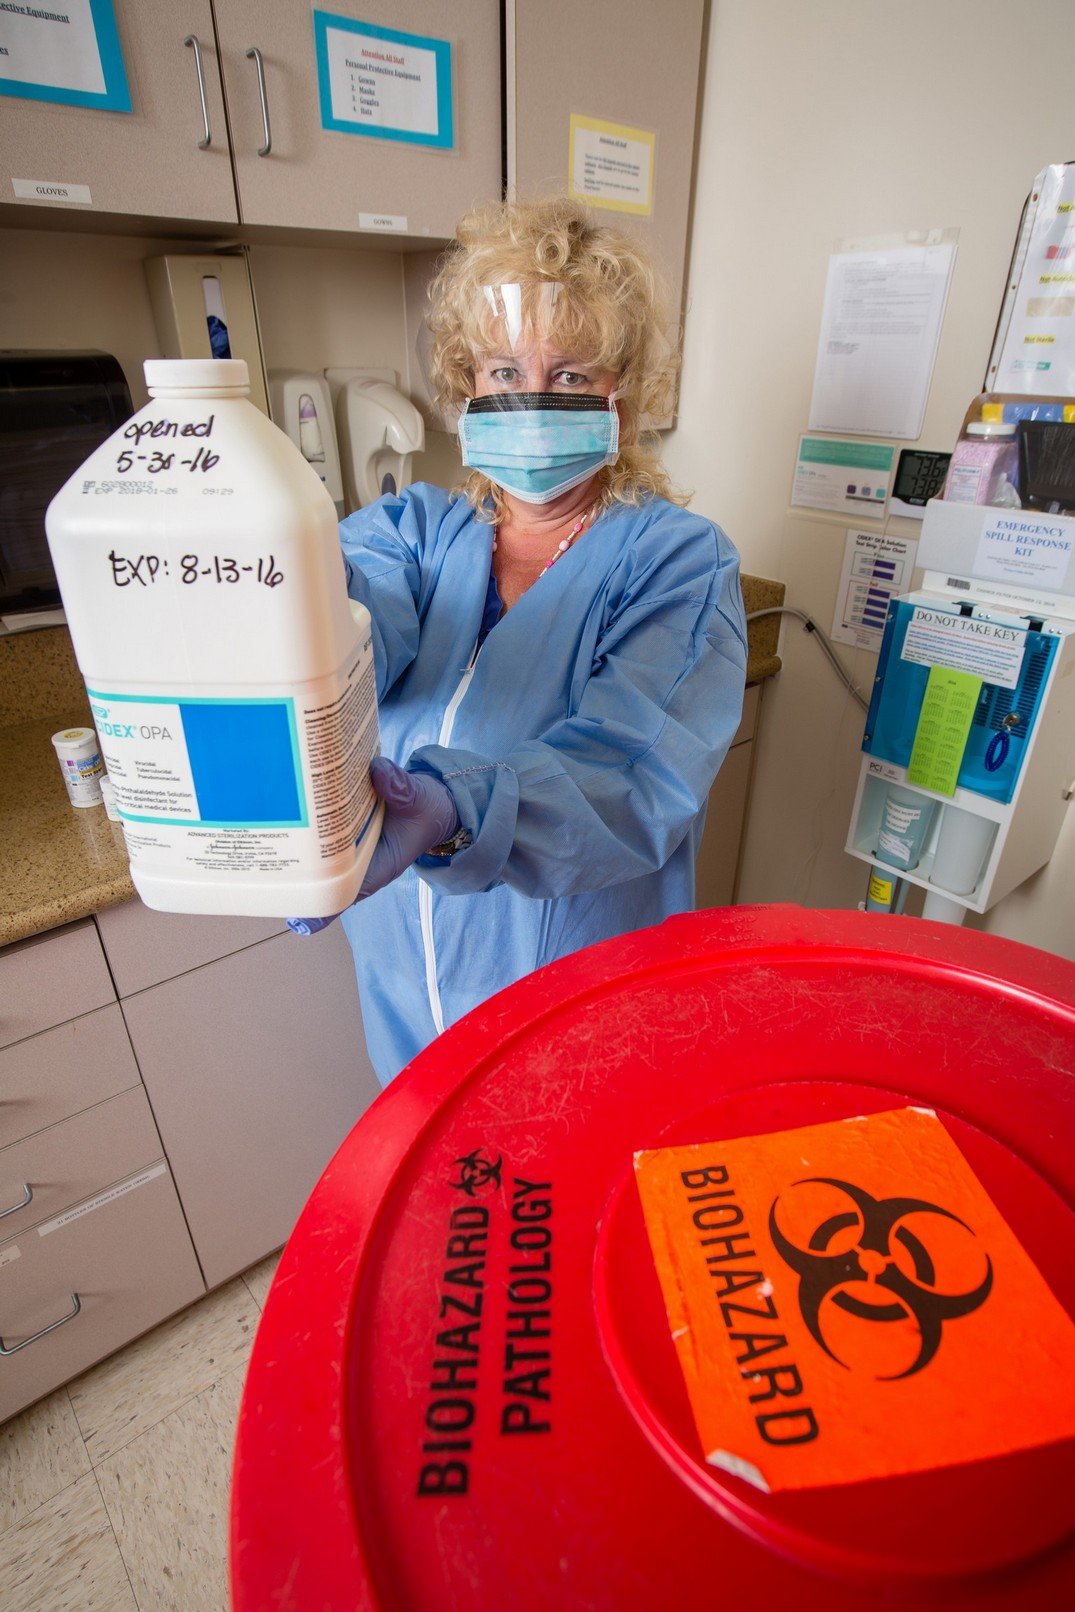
point(425, 894)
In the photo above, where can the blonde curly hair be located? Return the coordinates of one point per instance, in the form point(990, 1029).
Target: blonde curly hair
point(610, 313)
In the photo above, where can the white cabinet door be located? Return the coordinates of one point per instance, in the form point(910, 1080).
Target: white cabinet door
point(326, 179)
point(151, 160)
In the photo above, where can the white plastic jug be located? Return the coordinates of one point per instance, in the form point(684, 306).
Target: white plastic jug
point(230, 677)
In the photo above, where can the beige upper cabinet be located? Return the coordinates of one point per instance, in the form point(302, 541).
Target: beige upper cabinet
point(636, 66)
point(292, 170)
point(153, 161)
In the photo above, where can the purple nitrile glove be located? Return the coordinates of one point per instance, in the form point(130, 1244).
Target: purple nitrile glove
point(419, 813)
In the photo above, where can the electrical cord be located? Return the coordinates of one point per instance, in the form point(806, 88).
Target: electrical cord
point(824, 643)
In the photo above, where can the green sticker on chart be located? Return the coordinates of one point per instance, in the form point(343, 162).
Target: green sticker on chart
point(943, 726)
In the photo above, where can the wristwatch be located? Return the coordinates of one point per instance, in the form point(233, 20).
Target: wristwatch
point(458, 842)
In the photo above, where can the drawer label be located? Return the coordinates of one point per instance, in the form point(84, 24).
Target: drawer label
point(101, 1199)
point(9, 1253)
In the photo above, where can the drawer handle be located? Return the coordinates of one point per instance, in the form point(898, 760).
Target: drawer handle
point(26, 1342)
point(28, 1197)
point(195, 45)
point(255, 55)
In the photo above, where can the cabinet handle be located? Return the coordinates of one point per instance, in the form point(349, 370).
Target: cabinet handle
point(259, 63)
point(26, 1342)
point(28, 1195)
point(207, 138)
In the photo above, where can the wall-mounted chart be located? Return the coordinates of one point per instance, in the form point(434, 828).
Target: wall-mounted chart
point(377, 81)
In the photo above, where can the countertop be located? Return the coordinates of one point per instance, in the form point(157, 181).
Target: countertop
point(60, 862)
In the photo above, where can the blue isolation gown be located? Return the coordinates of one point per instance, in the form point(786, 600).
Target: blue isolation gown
point(579, 743)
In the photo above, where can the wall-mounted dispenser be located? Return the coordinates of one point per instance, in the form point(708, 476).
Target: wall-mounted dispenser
point(378, 430)
point(203, 307)
point(969, 748)
point(302, 406)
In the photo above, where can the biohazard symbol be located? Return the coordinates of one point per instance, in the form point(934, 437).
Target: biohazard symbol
point(876, 1253)
point(476, 1172)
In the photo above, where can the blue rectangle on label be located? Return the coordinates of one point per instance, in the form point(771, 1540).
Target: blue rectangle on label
point(242, 759)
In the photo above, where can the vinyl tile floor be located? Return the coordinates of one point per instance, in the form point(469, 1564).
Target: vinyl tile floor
point(114, 1490)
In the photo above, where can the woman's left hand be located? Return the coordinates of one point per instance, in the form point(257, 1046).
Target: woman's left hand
point(419, 813)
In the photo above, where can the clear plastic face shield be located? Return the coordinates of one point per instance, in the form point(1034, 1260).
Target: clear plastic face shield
point(519, 315)
point(543, 420)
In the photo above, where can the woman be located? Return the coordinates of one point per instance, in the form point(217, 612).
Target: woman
point(560, 649)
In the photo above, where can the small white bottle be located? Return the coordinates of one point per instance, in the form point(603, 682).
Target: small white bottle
point(79, 755)
point(230, 677)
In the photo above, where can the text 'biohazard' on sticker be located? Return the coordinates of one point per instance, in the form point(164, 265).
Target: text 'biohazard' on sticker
point(846, 1302)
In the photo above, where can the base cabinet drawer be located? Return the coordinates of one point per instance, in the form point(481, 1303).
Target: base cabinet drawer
point(77, 1287)
point(50, 978)
point(68, 1163)
point(63, 1071)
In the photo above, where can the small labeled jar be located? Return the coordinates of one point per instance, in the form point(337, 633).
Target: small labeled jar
point(984, 465)
point(80, 761)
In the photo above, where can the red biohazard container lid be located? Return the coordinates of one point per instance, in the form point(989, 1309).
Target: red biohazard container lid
point(729, 1261)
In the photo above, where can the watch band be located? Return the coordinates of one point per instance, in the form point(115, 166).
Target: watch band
point(458, 842)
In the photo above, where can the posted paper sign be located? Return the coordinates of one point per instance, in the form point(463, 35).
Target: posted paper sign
point(380, 82)
point(66, 51)
point(847, 1303)
point(879, 332)
point(875, 570)
point(852, 478)
point(1038, 351)
point(1029, 549)
point(986, 649)
point(944, 720)
point(611, 165)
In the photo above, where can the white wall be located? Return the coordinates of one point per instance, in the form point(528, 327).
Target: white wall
point(838, 118)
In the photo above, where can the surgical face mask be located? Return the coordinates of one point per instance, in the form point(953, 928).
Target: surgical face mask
point(537, 445)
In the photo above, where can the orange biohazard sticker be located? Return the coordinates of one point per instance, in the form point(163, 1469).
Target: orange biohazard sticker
point(846, 1302)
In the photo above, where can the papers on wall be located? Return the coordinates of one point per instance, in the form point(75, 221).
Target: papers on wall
point(69, 52)
point(852, 478)
point(610, 165)
point(884, 304)
point(876, 568)
point(380, 82)
point(1035, 347)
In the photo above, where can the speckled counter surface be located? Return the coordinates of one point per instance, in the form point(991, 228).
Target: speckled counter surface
point(60, 863)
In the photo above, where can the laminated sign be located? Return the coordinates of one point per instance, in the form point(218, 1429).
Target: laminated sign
point(846, 1302)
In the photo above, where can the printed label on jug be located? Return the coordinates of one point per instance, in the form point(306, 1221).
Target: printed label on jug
point(231, 785)
point(341, 738)
point(221, 763)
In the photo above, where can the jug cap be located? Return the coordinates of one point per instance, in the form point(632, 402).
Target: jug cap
point(196, 374)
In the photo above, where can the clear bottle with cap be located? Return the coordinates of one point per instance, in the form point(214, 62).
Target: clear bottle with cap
point(230, 677)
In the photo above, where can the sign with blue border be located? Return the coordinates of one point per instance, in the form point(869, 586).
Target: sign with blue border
point(63, 50)
point(380, 82)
